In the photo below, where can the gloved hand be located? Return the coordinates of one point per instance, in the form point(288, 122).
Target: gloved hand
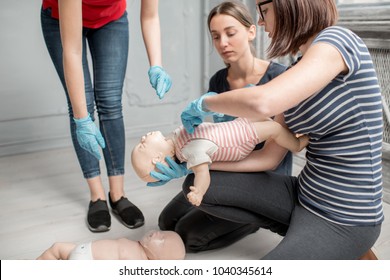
point(174, 171)
point(193, 114)
point(89, 136)
point(160, 80)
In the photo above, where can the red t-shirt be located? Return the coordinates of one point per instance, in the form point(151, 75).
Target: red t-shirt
point(96, 13)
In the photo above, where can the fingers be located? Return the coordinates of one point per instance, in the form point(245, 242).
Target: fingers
point(163, 85)
point(188, 126)
point(156, 184)
point(100, 139)
point(159, 176)
point(190, 123)
point(95, 151)
point(160, 80)
point(193, 196)
point(168, 172)
point(89, 143)
point(173, 165)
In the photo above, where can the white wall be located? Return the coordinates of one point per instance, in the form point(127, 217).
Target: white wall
point(33, 110)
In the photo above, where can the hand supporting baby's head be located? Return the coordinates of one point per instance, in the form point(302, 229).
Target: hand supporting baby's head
point(152, 148)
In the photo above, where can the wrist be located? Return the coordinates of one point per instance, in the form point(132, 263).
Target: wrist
point(203, 104)
point(82, 120)
point(155, 67)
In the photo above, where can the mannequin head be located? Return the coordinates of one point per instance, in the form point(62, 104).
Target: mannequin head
point(152, 148)
point(163, 245)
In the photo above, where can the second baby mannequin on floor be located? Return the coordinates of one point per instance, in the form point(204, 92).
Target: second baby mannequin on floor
point(154, 245)
point(227, 141)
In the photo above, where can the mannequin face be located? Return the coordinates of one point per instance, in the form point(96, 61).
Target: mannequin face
point(152, 148)
point(163, 245)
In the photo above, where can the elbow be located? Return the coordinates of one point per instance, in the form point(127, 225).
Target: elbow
point(73, 52)
point(261, 107)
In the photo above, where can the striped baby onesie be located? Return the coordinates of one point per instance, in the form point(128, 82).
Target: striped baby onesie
point(226, 141)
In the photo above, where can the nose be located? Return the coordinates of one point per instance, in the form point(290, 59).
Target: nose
point(223, 41)
point(260, 22)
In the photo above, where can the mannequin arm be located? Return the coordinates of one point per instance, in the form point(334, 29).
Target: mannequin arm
point(201, 183)
point(281, 135)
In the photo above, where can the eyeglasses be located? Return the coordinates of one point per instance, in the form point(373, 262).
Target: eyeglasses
point(258, 6)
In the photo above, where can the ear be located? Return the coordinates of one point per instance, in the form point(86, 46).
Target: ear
point(252, 32)
point(157, 158)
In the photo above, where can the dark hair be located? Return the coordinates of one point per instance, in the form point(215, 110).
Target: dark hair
point(236, 10)
point(298, 20)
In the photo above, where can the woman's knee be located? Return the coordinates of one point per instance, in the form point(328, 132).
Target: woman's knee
point(166, 222)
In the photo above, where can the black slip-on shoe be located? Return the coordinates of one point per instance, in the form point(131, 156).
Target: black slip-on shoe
point(98, 218)
point(127, 212)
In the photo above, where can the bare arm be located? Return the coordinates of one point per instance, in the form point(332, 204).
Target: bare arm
point(268, 158)
point(285, 91)
point(70, 12)
point(58, 251)
point(150, 24)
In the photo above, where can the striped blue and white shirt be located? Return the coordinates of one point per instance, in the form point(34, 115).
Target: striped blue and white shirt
point(342, 179)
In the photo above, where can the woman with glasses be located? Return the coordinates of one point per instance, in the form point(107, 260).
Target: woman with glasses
point(333, 209)
point(233, 30)
point(69, 26)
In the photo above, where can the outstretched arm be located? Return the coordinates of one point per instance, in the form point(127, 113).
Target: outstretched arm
point(201, 183)
point(58, 251)
point(282, 136)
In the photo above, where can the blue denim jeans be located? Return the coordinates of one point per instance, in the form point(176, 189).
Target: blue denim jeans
point(108, 47)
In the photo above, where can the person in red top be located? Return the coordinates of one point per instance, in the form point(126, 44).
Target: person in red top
point(68, 27)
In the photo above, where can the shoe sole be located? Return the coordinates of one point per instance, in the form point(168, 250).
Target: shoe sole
point(101, 228)
point(136, 225)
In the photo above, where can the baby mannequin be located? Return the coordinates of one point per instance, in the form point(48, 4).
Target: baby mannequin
point(226, 141)
point(154, 245)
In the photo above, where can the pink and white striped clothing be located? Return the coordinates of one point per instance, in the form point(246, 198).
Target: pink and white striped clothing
point(230, 141)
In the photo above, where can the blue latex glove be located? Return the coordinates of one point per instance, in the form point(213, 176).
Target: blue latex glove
point(160, 80)
point(89, 136)
point(193, 114)
point(175, 170)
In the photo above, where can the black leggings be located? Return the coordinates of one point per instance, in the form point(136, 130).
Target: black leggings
point(201, 231)
point(269, 200)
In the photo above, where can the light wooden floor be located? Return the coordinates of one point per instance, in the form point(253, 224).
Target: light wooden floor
point(43, 199)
